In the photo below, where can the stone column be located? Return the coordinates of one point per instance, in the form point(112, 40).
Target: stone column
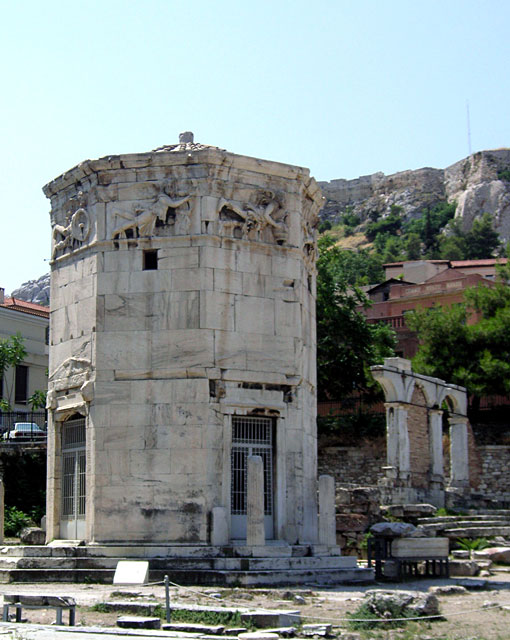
point(327, 515)
point(255, 534)
point(436, 442)
point(459, 456)
point(219, 527)
point(397, 440)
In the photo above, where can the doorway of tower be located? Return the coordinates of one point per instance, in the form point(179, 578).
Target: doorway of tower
point(72, 522)
point(251, 436)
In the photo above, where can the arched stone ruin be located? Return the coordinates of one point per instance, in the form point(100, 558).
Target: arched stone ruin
point(414, 435)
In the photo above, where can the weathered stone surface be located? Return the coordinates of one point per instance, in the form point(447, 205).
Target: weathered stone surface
point(464, 568)
point(406, 511)
point(183, 302)
point(189, 627)
point(448, 590)
point(420, 547)
point(138, 622)
point(499, 555)
point(32, 535)
point(414, 603)
point(310, 630)
point(392, 529)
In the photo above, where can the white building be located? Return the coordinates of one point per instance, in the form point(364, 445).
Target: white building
point(31, 321)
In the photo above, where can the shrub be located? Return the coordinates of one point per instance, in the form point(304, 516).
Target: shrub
point(15, 521)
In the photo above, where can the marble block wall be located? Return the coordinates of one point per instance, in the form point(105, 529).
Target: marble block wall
point(183, 294)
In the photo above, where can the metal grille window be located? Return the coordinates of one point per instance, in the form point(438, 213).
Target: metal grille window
point(251, 437)
point(73, 468)
point(73, 434)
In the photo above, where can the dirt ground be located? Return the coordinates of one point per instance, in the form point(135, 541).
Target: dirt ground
point(474, 615)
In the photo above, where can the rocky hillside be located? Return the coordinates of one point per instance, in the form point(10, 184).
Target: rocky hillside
point(37, 291)
point(478, 184)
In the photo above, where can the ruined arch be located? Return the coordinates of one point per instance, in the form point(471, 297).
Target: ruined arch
point(414, 470)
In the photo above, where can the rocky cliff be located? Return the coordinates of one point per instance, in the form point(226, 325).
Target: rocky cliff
point(37, 291)
point(478, 184)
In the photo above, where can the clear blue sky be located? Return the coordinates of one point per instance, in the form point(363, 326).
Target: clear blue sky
point(345, 87)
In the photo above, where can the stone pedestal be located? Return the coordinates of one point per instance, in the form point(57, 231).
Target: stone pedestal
point(459, 455)
point(327, 515)
point(255, 535)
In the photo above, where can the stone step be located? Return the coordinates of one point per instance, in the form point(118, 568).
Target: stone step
point(441, 526)
point(198, 577)
point(476, 532)
point(169, 564)
point(475, 518)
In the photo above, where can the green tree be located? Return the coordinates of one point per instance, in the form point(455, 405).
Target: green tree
point(413, 246)
point(12, 353)
point(390, 224)
point(468, 344)
point(37, 400)
point(482, 240)
point(346, 344)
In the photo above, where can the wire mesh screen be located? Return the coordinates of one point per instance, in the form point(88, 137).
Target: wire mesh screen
point(68, 483)
point(73, 468)
point(251, 437)
point(81, 483)
point(73, 434)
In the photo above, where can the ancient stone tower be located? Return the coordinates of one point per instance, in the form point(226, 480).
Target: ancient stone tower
point(182, 342)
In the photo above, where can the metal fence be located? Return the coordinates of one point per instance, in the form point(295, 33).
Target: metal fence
point(23, 426)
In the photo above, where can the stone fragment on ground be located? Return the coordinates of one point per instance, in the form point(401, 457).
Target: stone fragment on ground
point(474, 584)
point(191, 627)
point(448, 590)
point(283, 632)
point(399, 602)
point(138, 622)
point(500, 555)
point(310, 630)
point(393, 529)
point(459, 567)
point(32, 536)
point(258, 635)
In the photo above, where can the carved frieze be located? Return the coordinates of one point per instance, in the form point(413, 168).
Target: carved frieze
point(164, 210)
point(250, 220)
point(309, 224)
point(75, 230)
point(70, 387)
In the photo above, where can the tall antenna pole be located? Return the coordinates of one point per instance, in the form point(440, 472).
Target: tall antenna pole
point(468, 127)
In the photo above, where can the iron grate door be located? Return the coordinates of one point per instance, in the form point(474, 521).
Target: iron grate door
point(73, 476)
point(250, 437)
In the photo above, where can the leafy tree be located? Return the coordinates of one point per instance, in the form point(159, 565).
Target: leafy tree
point(452, 248)
point(12, 353)
point(482, 241)
point(346, 343)
point(468, 344)
point(390, 224)
point(37, 400)
point(413, 246)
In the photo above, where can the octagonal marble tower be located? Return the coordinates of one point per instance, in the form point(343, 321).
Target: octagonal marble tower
point(182, 342)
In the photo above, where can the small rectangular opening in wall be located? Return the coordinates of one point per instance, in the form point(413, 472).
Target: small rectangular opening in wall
point(150, 259)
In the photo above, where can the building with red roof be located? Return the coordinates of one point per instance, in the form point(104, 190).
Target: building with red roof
point(31, 321)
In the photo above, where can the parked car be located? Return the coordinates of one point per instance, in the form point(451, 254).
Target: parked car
point(25, 431)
